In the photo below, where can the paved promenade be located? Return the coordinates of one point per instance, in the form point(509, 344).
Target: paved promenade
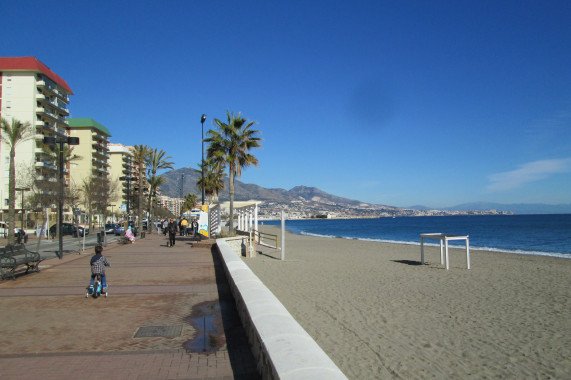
point(169, 315)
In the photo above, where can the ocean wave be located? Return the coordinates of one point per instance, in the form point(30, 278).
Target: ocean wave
point(457, 246)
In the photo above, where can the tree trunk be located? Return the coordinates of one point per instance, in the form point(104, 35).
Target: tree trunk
point(231, 180)
point(140, 208)
point(149, 224)
point(12, 197)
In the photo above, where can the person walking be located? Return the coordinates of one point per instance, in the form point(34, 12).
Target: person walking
point(184, 226)
point(172, 228)
point(194, 227)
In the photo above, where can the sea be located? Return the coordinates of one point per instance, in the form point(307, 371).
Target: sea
point(547, 235)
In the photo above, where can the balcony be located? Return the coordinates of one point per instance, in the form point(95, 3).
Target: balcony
point(97, 170)
point(99, 144)
point(44, 164)
point(44, 178)
point(60, 132)
point(46, 114)
point(96, 136)
point(50, 87)
point(98, 153)
point(97, 163)
point(47, 85)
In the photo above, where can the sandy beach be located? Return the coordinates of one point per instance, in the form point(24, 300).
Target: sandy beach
point(379, 314)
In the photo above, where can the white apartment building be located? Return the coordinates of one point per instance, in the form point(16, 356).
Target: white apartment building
point(172, 204)
point(121, 167)
point(31, 92)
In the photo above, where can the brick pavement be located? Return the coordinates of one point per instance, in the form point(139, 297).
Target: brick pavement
point(49, 330)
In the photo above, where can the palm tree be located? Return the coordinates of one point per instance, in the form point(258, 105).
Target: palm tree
point(155, 161)
point(154, 184)
point(189, 202)
point(13, 134)
point(140, 156)
point(214, 180)
point(231, 145)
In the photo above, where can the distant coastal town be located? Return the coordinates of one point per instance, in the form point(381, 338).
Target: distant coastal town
point(303, 209)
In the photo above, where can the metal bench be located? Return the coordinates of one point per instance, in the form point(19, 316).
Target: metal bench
point(11, 257)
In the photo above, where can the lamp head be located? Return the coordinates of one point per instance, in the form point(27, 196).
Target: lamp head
point(203, 118)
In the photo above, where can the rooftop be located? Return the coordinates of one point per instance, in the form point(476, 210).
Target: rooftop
point(31, 64)
point(88, 123)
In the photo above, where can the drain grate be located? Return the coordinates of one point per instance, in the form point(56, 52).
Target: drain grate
point(159, 331)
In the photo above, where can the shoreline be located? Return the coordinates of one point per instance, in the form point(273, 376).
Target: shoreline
point(515, 250)
point(378, 313)
point(450, 245)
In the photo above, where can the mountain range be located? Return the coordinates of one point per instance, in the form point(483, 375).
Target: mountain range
point(183, 181)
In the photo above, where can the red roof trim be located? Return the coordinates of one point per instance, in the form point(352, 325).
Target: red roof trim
point(31, 64)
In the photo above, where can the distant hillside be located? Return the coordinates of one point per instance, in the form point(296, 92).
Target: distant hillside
point(244, 192)
point(518, 208)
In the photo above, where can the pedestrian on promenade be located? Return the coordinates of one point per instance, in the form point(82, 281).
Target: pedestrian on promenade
point(184, 226)
point(194, 227)
point(172, 228)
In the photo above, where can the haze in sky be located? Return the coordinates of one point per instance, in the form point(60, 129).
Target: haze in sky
point(398, 103)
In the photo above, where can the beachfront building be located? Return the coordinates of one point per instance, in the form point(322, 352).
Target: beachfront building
point(122, 172)
point(31, 92)
point(174, 205)
point(92, 151)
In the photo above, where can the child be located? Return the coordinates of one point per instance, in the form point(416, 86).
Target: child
point(98, 264)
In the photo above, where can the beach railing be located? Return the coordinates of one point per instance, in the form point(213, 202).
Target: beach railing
point(269, 240)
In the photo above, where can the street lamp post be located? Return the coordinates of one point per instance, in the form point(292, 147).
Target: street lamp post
point(61, 141)
point(202, 120)
point(22, 189)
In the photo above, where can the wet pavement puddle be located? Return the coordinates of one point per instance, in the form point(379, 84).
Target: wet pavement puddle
point(206, 318)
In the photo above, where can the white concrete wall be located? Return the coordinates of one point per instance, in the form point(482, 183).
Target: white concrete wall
point(282, 348)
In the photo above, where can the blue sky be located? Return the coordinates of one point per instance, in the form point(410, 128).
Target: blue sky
point(399, 103)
